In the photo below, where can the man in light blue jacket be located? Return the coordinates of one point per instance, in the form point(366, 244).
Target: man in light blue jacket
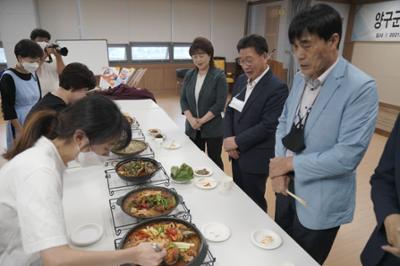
point(323, 132)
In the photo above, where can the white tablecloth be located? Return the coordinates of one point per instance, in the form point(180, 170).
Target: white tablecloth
point(86, 199)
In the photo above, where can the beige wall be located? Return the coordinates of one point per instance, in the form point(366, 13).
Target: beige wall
point(123, 21)
point(381, 61)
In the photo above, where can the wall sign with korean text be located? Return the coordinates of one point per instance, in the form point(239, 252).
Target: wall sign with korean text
point(377, 22)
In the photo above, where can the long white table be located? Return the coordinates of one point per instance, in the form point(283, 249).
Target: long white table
point(86, 200)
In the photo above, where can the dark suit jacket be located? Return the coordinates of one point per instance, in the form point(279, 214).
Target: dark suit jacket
point(385, 195)
point(212, 98)
point(255, 126)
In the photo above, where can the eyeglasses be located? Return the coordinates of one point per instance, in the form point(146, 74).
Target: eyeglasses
point(246, 62)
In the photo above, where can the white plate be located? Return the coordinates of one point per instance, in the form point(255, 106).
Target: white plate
point(86, 234)
point(181, 182)
point(266, 239)
point(206, 183)
point(172, 145)
point(216, 232)
point(201, 168)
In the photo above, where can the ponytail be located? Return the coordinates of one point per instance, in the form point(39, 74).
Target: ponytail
point(40, 123)
point(96, 115)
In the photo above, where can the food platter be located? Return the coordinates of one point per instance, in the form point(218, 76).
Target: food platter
point(182, 174)
point(149, 202)
point(184, 243)
point(137, 170)
point(135, 147)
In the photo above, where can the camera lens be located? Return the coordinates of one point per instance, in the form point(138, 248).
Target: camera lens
point(63, 51)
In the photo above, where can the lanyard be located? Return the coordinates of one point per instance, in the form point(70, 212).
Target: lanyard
point(240, 92)
point(302, 120)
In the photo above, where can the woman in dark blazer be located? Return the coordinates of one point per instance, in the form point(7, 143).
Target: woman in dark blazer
point(203, 99)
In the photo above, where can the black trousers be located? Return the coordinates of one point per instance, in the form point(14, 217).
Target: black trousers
point(317, 243)
point(214, 148)
point(252, 184)
point(389, 260)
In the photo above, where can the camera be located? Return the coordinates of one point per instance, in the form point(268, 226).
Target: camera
point(61, 50)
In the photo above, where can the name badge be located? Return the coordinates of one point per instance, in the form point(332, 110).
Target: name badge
point(237, 104)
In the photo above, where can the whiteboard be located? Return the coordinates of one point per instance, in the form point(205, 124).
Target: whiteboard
point(91, 52)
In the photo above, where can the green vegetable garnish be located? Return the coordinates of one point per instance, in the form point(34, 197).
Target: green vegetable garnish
point(182, 173)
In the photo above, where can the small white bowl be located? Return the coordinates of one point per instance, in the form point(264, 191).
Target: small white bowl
point(216, 232)
point(86, 234)
point(172, 145)
point(154, 131)
point(266, 239)
point(202, 168)
point(206, 183)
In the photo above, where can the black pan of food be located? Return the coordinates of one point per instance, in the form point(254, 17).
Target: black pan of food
point(184, 243)
point(137, 170)
point(135, 147)
point(149, 202)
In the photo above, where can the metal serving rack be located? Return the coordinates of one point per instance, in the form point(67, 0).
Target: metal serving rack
point(208, 261)
point(138, 134)
point(115, 183)
point(135, 125)
point(122, 221)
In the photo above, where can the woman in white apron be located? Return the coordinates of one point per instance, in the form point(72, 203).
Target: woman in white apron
point(20, 88)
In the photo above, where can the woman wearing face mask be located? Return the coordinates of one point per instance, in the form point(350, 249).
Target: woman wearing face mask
point(20, 88)
point(203, 98)
point(32, 228)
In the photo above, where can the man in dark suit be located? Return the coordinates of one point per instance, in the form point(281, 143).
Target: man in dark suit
point(252, 117)
point(383, 247)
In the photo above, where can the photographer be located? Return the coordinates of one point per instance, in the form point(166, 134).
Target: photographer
point(52, 64)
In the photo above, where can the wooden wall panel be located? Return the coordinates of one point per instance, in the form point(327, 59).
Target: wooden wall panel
point(161, 77)
point(386, 118)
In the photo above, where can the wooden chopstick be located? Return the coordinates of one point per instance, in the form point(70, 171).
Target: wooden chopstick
point(300, 200)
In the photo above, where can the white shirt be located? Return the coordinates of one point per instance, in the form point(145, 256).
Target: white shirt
point(48, 76)
point(251, 84)
point(32, 217)
point(197, 89)
point(311, 91)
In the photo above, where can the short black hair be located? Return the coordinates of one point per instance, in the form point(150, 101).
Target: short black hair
point(201, 44)
point(40, 33)
point(256, 41)
point(321, 20)
point(76, 76)
point(28, 48)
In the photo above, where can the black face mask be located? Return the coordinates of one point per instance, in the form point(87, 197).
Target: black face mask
point(294, 140)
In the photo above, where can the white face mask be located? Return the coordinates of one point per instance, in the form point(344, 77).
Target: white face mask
point(30, 67)
point(90, 158)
